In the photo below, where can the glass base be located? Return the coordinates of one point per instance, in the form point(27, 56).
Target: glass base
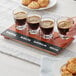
point(33, 31)
point(64, 36)
point(21, 27)
point(47, 36)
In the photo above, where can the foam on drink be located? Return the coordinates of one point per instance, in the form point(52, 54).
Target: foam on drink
point(47, 24)
point(64, 24)
point(33, 19)
point(20, 15)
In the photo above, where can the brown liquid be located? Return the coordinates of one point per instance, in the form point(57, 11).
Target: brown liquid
point(64, 27)
point(47, 27)
point(74, 74)
point(33, 22)
point(20, 18)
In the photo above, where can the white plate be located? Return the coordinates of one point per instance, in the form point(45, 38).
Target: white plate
point(51, 4)
point(52, 66)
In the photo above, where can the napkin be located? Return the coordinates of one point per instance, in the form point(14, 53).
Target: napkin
point(51, 66)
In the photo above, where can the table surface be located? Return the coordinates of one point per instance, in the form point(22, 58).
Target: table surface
point(10, 66)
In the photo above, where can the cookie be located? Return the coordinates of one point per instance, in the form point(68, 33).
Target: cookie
point(73, 60)
point(26, 2)
point(43, 3)
point(33, 5)
point(71, 67)
point(63, 68)
point(66, 73)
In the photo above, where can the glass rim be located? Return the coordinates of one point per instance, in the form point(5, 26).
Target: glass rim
point(65, 18)
point(14, 13)
point(20, 10)
point(34, 15)
point(30, 15)
point(47, 19)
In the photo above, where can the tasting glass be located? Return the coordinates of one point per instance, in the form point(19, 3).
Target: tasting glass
point(33, 21)
point(47, 26)
point(63, 25)
point(20, 17)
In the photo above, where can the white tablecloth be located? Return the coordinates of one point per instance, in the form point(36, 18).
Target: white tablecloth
point(12, 65)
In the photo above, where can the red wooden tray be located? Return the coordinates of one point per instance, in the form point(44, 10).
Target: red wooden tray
point(53, 46)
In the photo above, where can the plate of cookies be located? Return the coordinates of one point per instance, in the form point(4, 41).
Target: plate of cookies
point(69, 68)
point(38, 4)
point(58, 66)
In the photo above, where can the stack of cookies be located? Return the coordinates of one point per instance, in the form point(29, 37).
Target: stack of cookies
point(69, 69)
point(35, 4)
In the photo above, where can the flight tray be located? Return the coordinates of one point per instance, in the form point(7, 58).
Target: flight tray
point(53, 46)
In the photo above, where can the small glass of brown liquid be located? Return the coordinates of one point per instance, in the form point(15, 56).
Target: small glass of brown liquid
point(47, 26)
point(33, 23)
point(20, 17)
point(64, 24)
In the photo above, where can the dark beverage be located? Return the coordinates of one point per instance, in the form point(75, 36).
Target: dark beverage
point(20, 18)
point(47, 27)
point(74, 74)
point(64, 27)
point(33, 22)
